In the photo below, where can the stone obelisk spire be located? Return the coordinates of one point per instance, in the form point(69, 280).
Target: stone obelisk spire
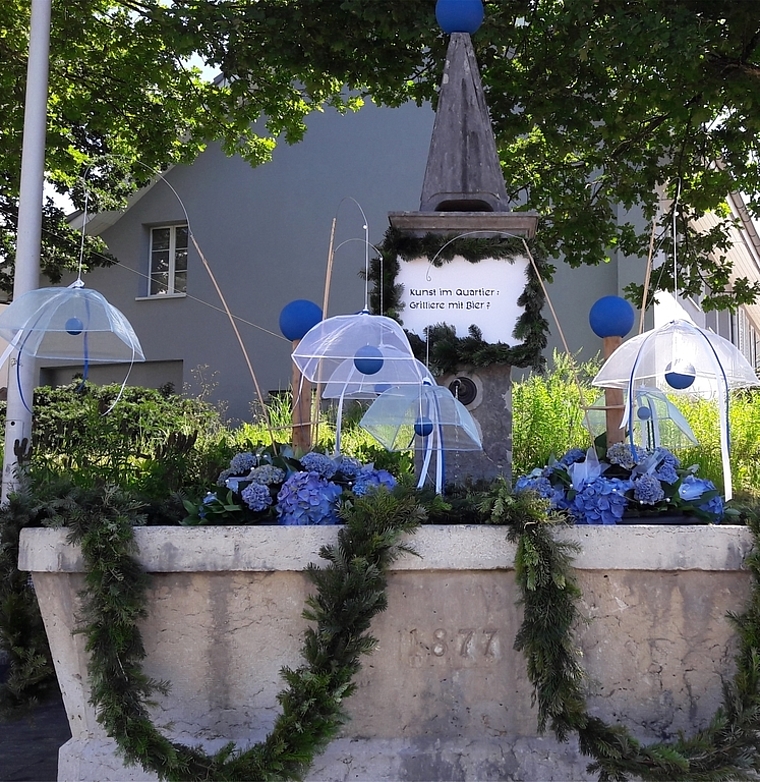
point(463, 193)
point(463, 172)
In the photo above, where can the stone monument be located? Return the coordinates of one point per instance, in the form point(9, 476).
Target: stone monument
point(463, 194)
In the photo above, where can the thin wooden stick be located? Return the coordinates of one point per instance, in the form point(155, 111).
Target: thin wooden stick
point(647, 276)
point(264, 410)
point(328, 274)
point(325, 303)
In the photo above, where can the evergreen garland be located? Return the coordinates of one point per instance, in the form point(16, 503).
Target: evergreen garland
point(447, 350)
point(350, 592)
point(728, 749)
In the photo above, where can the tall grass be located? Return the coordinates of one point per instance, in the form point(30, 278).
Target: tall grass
point(547, 412)
point(744, 421)
point(355, 441)
point(548, 420)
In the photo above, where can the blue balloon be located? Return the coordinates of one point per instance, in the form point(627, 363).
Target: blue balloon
point(680, 376)
point(644, 413)
point(74, 326)
point(459, 16)
point(611, 316)
point(423, 426)
point(368, 360)
point(298, 317)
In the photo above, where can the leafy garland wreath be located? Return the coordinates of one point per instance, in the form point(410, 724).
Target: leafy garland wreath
point(448, 351)
point(350, 592)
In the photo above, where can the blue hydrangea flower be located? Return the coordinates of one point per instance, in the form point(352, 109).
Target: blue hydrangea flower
point(667, 466)
point(307, 498)
point(207, 500)
point(242, 463)
point(348, 466)
point(257, 497)
point(692, 488)
point(223, 475)
point(666, 473)
point(714, 507)
point(369, 479)
point(602, 501)
point(621, 454)
point(648, 490)
point(539, 484)
point(319, 463)
point(572, 456)
point(267, 474)
point(544, 488)
point(668, 457)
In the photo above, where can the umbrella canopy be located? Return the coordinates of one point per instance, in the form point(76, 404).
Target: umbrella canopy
point(362, 339)
point(348, 382)
point(427, 418)
point(71, 324)
point(680, 356)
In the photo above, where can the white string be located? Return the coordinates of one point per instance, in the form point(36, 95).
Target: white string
point(208, 304)
point(367, 245)
point(81, 242)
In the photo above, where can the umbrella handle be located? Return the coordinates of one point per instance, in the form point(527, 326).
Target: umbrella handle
point(439, 453)
point(425, 462)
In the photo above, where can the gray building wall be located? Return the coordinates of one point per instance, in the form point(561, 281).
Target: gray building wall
point(265, 233)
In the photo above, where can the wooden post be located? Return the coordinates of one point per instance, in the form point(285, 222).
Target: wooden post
point(613, 399)
point(301, 423)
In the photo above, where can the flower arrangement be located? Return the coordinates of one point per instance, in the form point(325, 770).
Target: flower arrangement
point(602, 486)
point(273, 486)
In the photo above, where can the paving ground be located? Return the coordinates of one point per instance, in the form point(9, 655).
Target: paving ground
point(29, 746)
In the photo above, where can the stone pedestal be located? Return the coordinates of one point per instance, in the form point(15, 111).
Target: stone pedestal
point(492, 410)
point(491, 386)
point(444, 696)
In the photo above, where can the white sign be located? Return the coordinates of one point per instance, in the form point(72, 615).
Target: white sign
point(460, 293)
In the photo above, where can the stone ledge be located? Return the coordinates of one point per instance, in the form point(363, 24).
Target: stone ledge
point(422, 759)
point(515, 223)
point(441, 547)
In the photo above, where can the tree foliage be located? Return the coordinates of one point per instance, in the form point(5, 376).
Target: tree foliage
point(596, 105)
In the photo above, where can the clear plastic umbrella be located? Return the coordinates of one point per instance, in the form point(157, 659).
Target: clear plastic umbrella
point(680, 356)
point(348, 382)
point(367, 345)
point(361, 338)
point(69, 324)
point(427, 418)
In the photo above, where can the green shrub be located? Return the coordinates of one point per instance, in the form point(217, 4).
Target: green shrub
point(150, 442)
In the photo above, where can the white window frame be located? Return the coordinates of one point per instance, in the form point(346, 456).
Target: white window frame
point(172, 272)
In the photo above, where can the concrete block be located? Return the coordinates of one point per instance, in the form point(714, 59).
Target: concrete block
point(444, 696)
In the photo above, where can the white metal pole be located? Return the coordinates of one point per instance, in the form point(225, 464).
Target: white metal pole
point(18, 424)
